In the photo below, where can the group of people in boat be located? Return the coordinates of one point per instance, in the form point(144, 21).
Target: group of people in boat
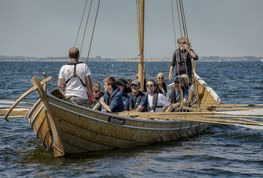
point(75, 82)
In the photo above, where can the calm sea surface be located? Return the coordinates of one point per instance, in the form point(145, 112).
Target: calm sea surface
point(222, 152)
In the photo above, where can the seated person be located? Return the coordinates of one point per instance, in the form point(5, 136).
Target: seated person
point(129, 81)
point(175, 94)
point(97, 94)
point(189, 90)
point(111, 101)
point(137, 100)
point(122, 85)
point(157, 102)
point(161, 85)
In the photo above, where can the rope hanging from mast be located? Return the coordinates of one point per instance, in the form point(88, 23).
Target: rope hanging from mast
point(86, 26)
point(173, 19)
point(94, 26)
point(83, 13)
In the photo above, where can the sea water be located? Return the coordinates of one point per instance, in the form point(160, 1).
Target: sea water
point(224, 151)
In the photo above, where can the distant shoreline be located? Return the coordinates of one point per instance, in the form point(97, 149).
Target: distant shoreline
point(101, 59)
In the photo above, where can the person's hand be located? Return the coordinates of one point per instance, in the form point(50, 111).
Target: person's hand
point(186, 46)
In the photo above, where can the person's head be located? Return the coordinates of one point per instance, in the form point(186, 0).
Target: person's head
point(150, 86)
point(97, 85)
point(129, 81)
point(96, 91)
point(122, 84)
point(135, 86)
point(73, 53)
point(177, 83)
point(182, 42)
point(110, 84)
point(160, 77)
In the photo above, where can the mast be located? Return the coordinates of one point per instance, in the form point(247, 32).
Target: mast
point(141, 44)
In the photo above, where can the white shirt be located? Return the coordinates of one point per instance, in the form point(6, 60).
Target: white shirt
point(162, 101)
point(74, 87)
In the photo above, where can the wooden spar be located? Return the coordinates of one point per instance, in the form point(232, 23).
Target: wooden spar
point(33, 88)
point(141, 44)
point(201, 117)
point(57, 144)
point(16, 112)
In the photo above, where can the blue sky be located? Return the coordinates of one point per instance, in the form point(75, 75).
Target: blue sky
point(48, 27)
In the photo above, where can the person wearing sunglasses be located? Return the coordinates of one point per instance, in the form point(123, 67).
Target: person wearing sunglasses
point(182, 59)
point(157, 102)
point(97, 94)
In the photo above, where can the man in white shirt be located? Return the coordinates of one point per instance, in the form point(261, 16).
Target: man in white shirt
point(157, 102)
point(75, 81)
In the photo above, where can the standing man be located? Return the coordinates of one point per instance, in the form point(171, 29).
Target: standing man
point(182, 58)
point(75, 81)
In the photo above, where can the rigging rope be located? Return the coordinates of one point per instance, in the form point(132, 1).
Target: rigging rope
point(183, 18)
point(86, 25)
point(98, 6)
point(84, 10)
point(179, 17)
point(173, 19)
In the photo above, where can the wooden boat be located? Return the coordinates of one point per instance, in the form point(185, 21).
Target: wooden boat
point(68, 128)
point(80, 129)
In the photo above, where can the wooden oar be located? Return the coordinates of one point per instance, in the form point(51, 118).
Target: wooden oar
point(15, 112)
point(33, 88)
point(204, 117)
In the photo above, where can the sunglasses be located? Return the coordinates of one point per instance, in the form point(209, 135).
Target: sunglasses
point(149, 85)
point(160, 77)
point(182, 42)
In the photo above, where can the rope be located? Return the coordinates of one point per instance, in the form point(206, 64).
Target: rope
point(85, 30)
point(173, 19)
point(179, 17)
point(98, 6)
point(183, 18)
point(85, 6)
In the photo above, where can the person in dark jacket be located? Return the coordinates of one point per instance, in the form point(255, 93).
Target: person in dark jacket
point(137, 99)
point(122, 85)
point(112, 99)
point(182, 59)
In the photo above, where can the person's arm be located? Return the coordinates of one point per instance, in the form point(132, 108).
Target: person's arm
point(193, 54)
point(171, 72)
point(142, 104)
point(102, 102)
point(89, 88)
point(61, 81)
point(172, 66)
point(97, 106)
